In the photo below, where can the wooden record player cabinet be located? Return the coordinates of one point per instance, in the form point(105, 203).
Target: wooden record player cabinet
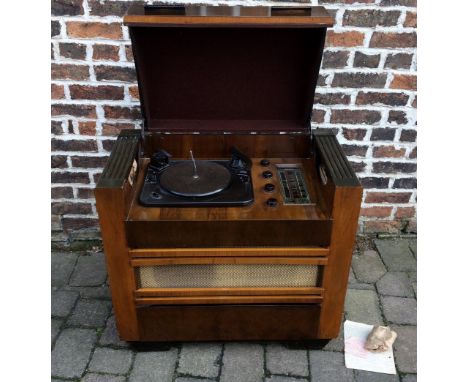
point(211, 78)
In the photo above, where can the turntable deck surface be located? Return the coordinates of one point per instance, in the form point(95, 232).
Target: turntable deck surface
point(259, 210)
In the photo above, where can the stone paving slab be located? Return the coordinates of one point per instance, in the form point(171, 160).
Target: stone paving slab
point(62, 265)
point(71, 352)
point(55, 328)
point(89, 271)
point(111, 361)
point(200, 360)
point(405, 348)
point(395, 284)
point(368, 267)
point(368, 376)
point(329, 367)
point(110, 336)
point(62, 302)
point(281, 360)
point(363, 306)
point(399, 310)
point(281, 378)
point(396, 255)
point(90, 313)
point(92, 377)
point(409, 378)
point(154, 366)
point(242, 363)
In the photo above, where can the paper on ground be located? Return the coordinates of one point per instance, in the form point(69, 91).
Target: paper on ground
point(358, 357)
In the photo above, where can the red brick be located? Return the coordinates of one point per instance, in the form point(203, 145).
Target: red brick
point(376, 212)
point(378, 98)
point(399, 61)
point(335, 59)
point(113, 129)
point(85, 193)
point(115, 73)
point(73, 145)
point(411, 20)
point(56, 127)
point(59, 161)
point(134, 94)
point(397, 116)
point(388, 152)
point(379, 134)
point(110, 8)
point(332, 98)
point(70, 177)
point(393, 40)
point(70, 224)
point(406, 183)
point(87, 128)
point(96, 177)
point(78, 29)
point(107, 92)
point(359, 80)
point(404, 81)
point(54, 28)
point(106, 52)
point(354, 134)
point(414, 153)
point(57, 91)
point(61, 193)
point(405, 212)
point(67, 7)
point(393, 167)
point(318, 116)
point(64, 208)
point(72, 50)
point(108, 144)
point(362, 60)
point(408, 135)
point(374, 182)
point(119, 112)
point(367, 117)
point(382, 226)
point(70, 72)
point(355, 150)
point(388, 197)
point(89, 161)
point(370, 18)
point(348, 39)
point(357, 166)
point(405, 3)
point(87, 111)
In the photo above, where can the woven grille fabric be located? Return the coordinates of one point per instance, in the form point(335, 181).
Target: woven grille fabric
point(227, 276)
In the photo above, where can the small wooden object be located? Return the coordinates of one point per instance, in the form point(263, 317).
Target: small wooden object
point(211, 78)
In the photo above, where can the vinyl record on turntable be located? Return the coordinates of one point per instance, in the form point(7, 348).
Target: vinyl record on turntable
point(207, 179)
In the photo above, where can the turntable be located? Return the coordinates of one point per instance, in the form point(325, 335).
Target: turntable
point(226, 217)
point(197, 183)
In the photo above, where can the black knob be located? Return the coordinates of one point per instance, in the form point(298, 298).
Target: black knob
point(267, 174)
point(272, 202)
point(269, 187)
point(265, 162)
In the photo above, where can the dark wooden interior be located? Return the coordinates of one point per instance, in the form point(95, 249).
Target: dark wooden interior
point(211, 78)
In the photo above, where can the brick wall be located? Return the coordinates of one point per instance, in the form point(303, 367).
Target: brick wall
point(366, 92)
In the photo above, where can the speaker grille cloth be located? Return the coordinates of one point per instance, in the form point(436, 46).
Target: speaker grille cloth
point(227, 276)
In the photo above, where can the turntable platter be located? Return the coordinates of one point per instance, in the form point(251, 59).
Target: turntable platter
point(210, 178)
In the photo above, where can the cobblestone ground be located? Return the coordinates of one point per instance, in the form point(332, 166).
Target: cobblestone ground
point(85, 345)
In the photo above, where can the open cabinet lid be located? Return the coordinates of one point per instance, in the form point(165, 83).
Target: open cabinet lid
point(206, 69)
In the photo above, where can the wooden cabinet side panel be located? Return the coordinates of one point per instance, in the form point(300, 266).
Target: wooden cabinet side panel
point(347, 203)
point(110, 204)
